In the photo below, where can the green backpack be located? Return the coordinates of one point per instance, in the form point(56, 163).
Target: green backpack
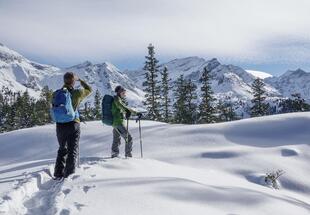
point(107, 117)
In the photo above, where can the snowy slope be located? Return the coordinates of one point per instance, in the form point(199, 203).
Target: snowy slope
point(20, 74)
point(259, 74)
point(197, 169)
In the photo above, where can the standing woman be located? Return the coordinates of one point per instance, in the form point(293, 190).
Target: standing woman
point(65, 112)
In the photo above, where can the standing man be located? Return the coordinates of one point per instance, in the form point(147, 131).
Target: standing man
point(68, 126)
point(119, 130)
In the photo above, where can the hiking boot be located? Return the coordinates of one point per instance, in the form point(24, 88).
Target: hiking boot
point(58, 178)
point(115, 155)
point(128, 155)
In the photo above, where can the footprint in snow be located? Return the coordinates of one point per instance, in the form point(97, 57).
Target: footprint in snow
point(86, 167)
point(66, 191)
point(93, 176)
point(64, 212)
point(75, 177)
point(87, 188)
point(79, 206)
point(6, 197)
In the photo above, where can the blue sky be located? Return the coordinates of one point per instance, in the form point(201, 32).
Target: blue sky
point(268, 35)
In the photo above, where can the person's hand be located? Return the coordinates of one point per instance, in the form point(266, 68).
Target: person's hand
point(76, 77)
point(139, 115)
point(128, 114)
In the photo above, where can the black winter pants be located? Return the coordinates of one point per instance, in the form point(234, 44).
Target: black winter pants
point(68, 135)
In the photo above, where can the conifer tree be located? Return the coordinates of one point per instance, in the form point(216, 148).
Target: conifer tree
point(206, 108)
point(43, 106)
point(226, 110)
point(294, 104)
point(260, 107)
point(165, 100)
point(151, 85)
point(2, 114)
point(190, 116)
point(87, 113)
point(97, 105)
point(180, 99)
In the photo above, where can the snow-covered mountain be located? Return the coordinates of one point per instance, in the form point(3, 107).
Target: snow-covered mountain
point(227, 80)
point(293, 81)
point(103, 77)
point(259, 74)
point(20, 74)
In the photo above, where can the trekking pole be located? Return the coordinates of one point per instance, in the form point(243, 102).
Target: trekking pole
point(78, 157)
point(140, 139)
point(127, 133)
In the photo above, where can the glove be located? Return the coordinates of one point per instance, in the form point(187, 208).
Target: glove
point(128, 114)
point(139, 115)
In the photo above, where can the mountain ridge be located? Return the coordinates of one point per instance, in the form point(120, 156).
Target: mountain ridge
point(228, 81)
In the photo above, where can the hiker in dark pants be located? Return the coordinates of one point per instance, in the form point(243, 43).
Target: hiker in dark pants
point(68, 133)
point(119, 130)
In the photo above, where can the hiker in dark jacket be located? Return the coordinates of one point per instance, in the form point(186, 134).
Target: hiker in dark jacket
point(68, 134)
point(119, 109)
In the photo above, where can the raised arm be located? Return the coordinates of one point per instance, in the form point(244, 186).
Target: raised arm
point(86, 89)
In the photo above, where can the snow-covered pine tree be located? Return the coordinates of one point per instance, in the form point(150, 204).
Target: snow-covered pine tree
point(206, 108)
point(151, 85)
point(179, 110)
point(97, 105)
point(165, 99)
point(190, 116)
point(260, 107)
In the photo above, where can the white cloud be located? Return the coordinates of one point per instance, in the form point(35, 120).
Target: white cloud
point(244, 30)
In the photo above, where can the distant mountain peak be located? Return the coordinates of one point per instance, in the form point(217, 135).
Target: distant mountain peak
point(298, 72)
point(212, 64)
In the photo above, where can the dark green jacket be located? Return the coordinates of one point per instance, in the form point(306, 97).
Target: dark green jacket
point(118, 111)
point(78, 95)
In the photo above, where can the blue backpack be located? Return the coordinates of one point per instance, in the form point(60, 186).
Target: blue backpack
point(62, 110)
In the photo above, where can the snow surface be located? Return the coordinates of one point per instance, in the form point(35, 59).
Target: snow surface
point(187, 169)
point(259, 74)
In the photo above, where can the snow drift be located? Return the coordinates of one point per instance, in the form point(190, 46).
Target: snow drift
point(200, 169)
